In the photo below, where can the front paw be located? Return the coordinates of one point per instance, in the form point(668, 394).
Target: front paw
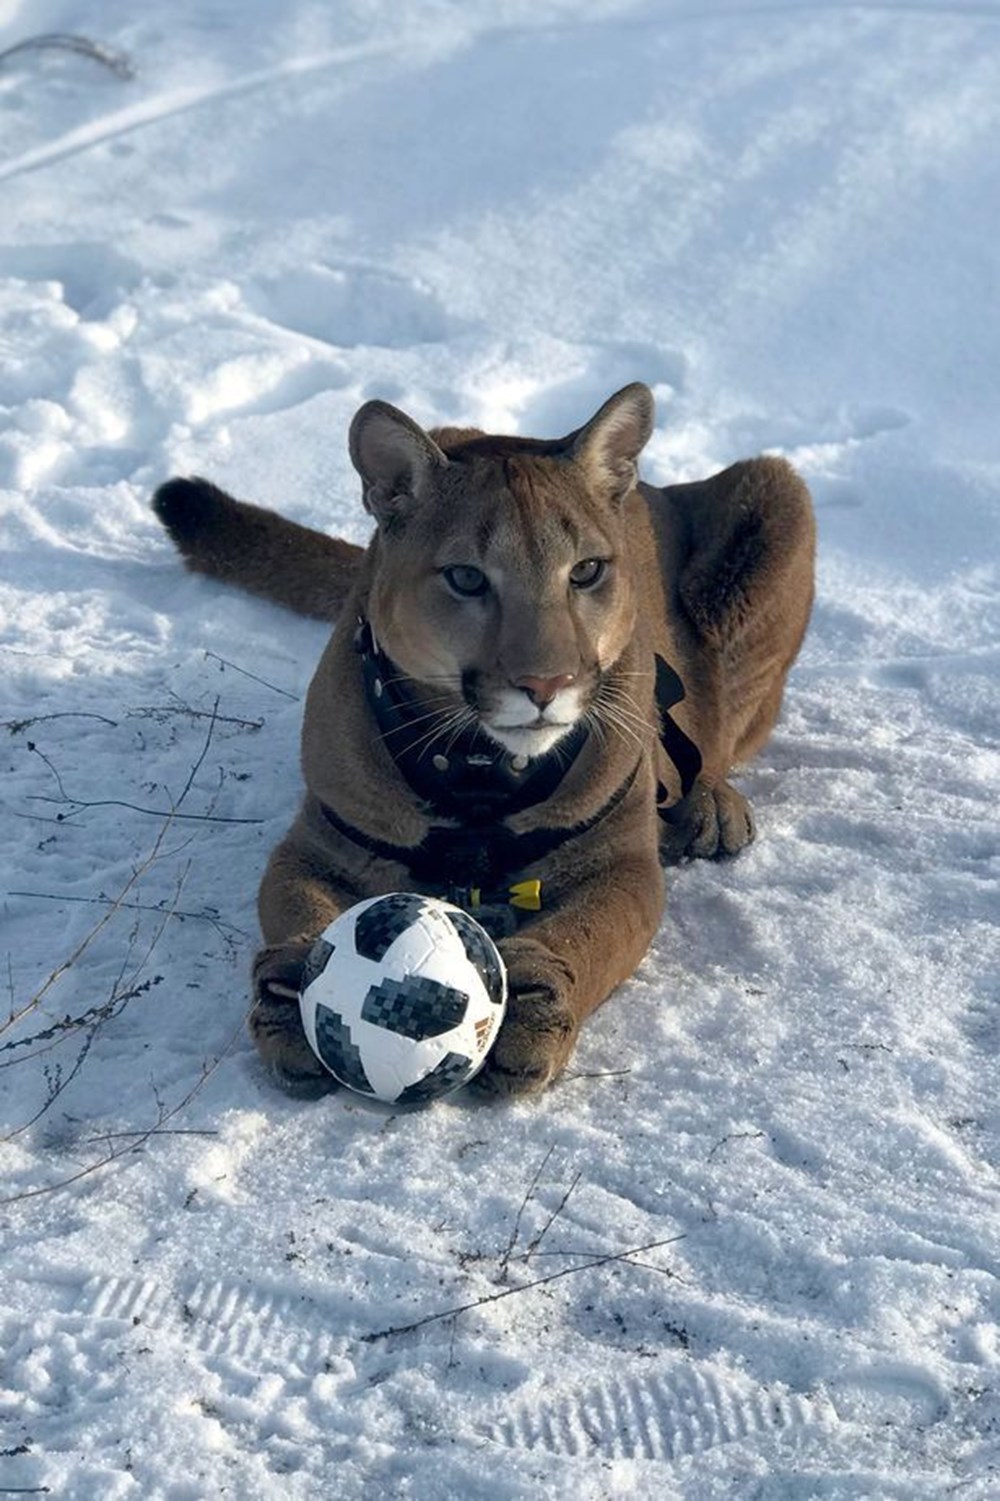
point(275, 1022)
point(709, 823)
point(539, 1029)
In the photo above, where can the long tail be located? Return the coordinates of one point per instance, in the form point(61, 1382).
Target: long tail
point(256, 549)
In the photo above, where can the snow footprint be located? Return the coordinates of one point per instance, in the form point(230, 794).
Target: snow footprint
point(63, 318)
point(350, 306)
point(93, 278)
point(664, 1415)
point(819, 443)
point(892, 1392)
point(222, 1316)
point(607, 365)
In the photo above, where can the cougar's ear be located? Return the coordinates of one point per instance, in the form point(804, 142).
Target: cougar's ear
point(394, 457)
point(609, 446)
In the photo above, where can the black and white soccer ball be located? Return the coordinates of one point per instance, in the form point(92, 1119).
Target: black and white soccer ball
point(403, 996)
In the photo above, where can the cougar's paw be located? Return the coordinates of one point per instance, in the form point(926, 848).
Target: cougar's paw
point(275, 1023)
point(707, 824)
point(539, 1029)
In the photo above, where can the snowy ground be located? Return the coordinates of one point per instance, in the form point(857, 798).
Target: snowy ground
point(785, 218)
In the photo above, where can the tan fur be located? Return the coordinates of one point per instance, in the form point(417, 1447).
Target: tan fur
point(715, 577)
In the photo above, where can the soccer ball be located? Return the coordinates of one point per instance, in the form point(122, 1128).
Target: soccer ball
point(403, 996)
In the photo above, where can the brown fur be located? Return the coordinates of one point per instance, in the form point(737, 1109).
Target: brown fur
point(715, 577)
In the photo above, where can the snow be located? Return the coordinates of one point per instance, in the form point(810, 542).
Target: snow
point(782, 217)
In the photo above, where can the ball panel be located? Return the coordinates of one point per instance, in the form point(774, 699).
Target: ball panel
point(481, 953)
point(316, 962)
point(449, 1074)
point(416, 1007)
point(378, 927)
point(338, 1052)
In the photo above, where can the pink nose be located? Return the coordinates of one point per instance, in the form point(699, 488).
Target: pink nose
point(542, 691)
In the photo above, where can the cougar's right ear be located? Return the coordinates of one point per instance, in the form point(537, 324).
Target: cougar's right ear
point(608, 447)
point(394, 457)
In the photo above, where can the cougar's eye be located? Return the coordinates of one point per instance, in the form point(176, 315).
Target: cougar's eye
point(465, 580)
point(588, 572)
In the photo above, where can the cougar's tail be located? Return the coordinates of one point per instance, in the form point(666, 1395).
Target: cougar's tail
point(257, 549)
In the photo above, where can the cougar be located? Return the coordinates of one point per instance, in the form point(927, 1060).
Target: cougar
point(543, 672)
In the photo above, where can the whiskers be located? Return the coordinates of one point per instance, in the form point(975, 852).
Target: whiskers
point(443, 725)
point(614, 711)
point(441, 719)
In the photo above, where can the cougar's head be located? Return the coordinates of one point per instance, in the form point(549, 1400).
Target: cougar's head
point(500, 581)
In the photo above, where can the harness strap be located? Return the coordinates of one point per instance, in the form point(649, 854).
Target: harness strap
point(485, 856)
point(682, 751)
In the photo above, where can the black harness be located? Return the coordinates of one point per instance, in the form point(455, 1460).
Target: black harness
point(479, 785)
point(683, 752)
point(470, 778)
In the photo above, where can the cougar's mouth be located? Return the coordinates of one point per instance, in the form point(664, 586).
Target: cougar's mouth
point(524, 736)
point(510, 719)
point(528, 740)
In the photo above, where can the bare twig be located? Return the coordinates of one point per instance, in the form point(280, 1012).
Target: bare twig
point(61, 820)
point(122, 1144)
point(17, 725)
point(141, 1137)
point(564, 1251)
point(57, 1080)
point(83, 46)
point(52, 1035)
point(734, 1136)
point(172, 812)
point(118, 999)
point(219, 924)
point(536, 1241)
point(570, 1076)
point(81, 948)
point(168, 818)
point(510, 1292)
point(114, 802)
point(145, 1135)
point(199, 759)
point(224, 661)
point(515, 1232)
point(161, 711)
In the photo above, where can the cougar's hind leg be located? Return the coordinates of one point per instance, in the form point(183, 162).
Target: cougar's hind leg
point(745, 587)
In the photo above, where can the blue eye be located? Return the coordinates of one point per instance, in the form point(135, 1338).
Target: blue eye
point(588, 572)
point(466, 581)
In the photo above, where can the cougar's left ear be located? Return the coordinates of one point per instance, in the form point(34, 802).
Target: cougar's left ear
point(394, 457)
point(610, 444)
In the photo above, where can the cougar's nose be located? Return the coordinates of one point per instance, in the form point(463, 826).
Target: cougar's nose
point(542, 691)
